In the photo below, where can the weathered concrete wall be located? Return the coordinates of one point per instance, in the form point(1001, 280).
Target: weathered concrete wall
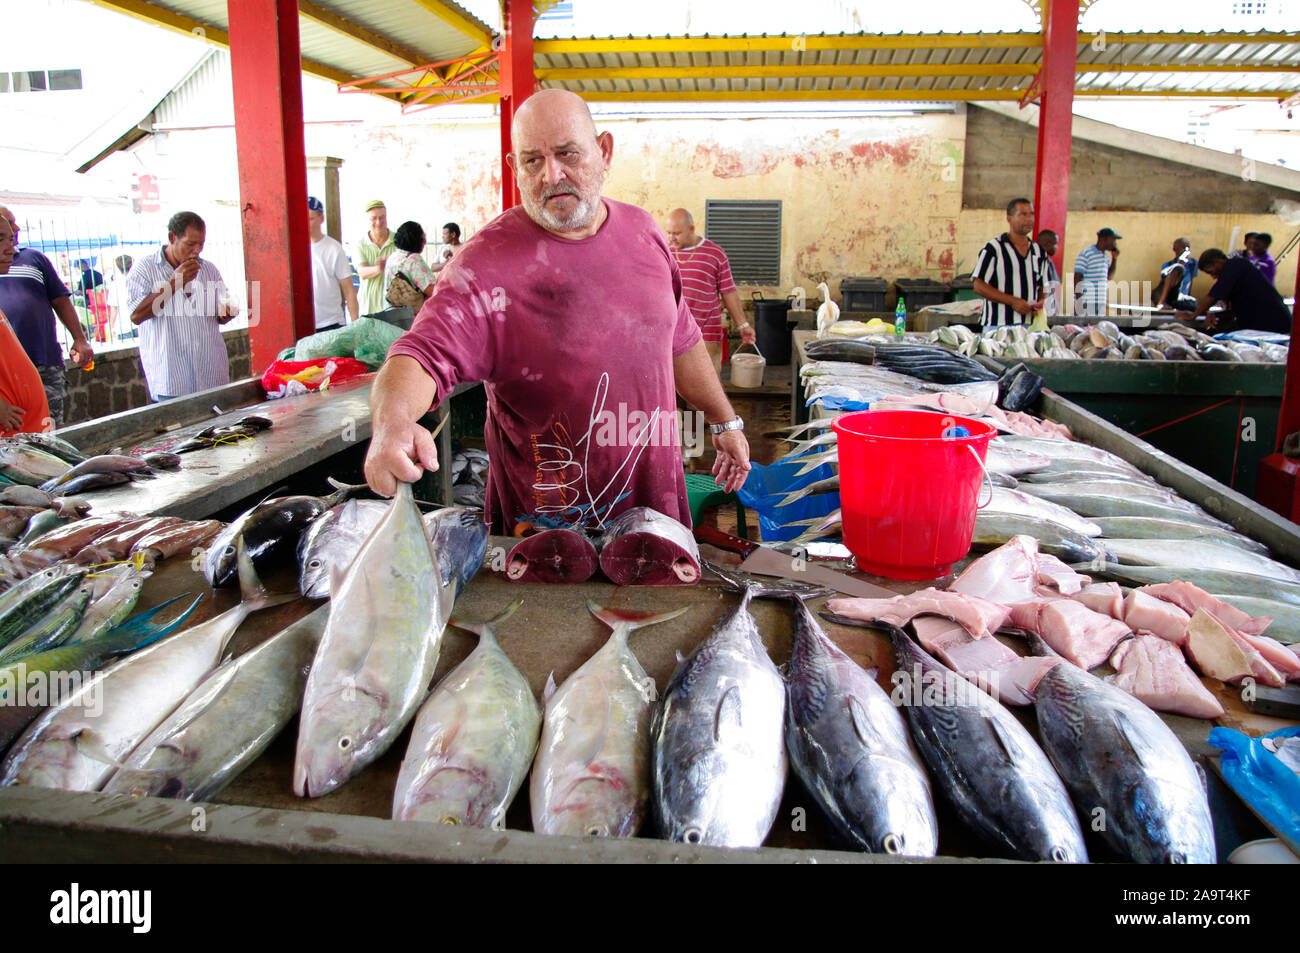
point(1148, 237)
point(117, 382)
point(1001, 155)
point(860, 197)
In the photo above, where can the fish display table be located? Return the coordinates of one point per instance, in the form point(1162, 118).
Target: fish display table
point(1220, 417)
point(306, 430)
point(258, 819)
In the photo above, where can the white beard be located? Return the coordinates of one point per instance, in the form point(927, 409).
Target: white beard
point(581, 216)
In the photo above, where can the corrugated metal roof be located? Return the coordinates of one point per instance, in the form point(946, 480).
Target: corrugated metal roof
point(936, 66)
point(341, 40)
point(351, 40)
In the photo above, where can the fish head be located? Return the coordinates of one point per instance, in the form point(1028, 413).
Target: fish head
point(597, 801)
point(698, 814)
point(454, 794)
point(314, 580)
point(160, 776)
point(338, 737)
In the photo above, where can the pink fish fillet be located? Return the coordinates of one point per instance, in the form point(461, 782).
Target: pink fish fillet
point(1189, 598)
point(1153, 670)
point(1145, 613)
point(979, 616)
point(986, 662)
point(1104, 597)
point(1054, 574)
point(1007, 575)
point(1084, 637)
point(1282, 659)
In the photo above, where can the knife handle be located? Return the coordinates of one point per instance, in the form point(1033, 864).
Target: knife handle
point(724, 541)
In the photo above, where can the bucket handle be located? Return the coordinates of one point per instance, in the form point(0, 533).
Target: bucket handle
point(987, 479)
point(754, 345)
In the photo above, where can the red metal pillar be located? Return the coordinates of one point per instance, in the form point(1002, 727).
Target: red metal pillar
point(266, 72)
point(517, 82)
point(1055, 115)
point(1278, 482)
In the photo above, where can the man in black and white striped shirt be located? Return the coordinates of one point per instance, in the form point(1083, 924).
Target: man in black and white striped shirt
point(1011, 271)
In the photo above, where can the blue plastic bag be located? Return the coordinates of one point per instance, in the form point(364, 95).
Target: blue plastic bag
point(766, 486)
point(1261, 780)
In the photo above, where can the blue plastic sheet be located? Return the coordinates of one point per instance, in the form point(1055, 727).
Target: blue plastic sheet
point(767, 485)
point(1261, 780)
point(838, 403)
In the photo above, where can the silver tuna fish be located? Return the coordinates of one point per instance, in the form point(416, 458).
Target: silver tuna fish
point(850, 747)
point(719, 763)
point(473, 740)
point(1117, 755)
point(592, 775)
point(76, 744)
point(985, 762)
point(378, 653)
point(227, 722)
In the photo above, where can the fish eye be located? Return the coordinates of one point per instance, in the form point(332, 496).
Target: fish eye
point(314, 564)
point(345, 743)
point(1060, 855)
point(597, 830)
point(450, 819)
point(893, 843)
point(693, 835)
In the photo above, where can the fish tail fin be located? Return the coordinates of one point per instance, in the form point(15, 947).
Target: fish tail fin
point(252, 593)
point(342, 491)
point(484, 629)
point(137, 632)
point(630, 619)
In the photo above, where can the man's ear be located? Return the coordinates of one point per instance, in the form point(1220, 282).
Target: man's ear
point(510, 161)
point(606, 142)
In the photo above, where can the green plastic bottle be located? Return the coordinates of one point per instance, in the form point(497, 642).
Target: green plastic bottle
point(900, 317)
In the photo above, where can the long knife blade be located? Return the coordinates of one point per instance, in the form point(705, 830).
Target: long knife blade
point(765, 561)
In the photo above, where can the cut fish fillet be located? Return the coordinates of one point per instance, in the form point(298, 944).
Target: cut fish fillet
point(987, 662)
point(1084, 637)
point(1104, 597)
point(1153, 670)
point(979, 616)
point(1189, 598)
point(1146, 613)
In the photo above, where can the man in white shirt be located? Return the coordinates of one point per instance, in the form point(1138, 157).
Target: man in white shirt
point(331, 275)
point(178, 302)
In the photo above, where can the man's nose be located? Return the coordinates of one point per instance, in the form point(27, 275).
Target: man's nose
point(553, 171)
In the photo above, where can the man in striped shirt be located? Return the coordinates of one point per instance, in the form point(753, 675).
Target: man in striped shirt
point(1092, 272)
point(178, 301)
point(1010, 273)
point(706, 275)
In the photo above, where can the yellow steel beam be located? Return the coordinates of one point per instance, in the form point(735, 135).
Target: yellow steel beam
point(791, 72)
point(1184, 68)
point(746, 44)
point(453, 16)
point(900, 95)
point(873, 41)
point(336, 24)
point(687, 72)
point(179, 23)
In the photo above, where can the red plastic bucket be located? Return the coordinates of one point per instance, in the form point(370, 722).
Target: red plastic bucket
point(908, 495)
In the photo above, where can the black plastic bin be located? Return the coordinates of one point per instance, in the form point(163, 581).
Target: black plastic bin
point(863, 294)
point(772, 328)
point(923, 292)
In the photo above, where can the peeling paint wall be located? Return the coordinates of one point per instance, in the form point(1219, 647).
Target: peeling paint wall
point(1148, 237)
point(861, 197)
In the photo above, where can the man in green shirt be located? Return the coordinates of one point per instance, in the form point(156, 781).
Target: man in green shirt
point(372, 253)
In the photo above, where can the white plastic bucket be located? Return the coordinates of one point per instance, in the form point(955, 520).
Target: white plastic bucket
point(747, 369)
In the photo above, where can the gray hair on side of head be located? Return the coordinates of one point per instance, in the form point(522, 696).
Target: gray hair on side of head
point(182, 222)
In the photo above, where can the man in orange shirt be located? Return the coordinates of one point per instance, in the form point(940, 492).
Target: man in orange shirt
point(23, 407)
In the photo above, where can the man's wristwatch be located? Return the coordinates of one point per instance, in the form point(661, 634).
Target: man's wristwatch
point(735, 423)
point(741, 327)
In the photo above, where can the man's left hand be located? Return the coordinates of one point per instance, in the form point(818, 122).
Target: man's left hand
point(748, 335)
point(731, 468)
point(82, 353)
